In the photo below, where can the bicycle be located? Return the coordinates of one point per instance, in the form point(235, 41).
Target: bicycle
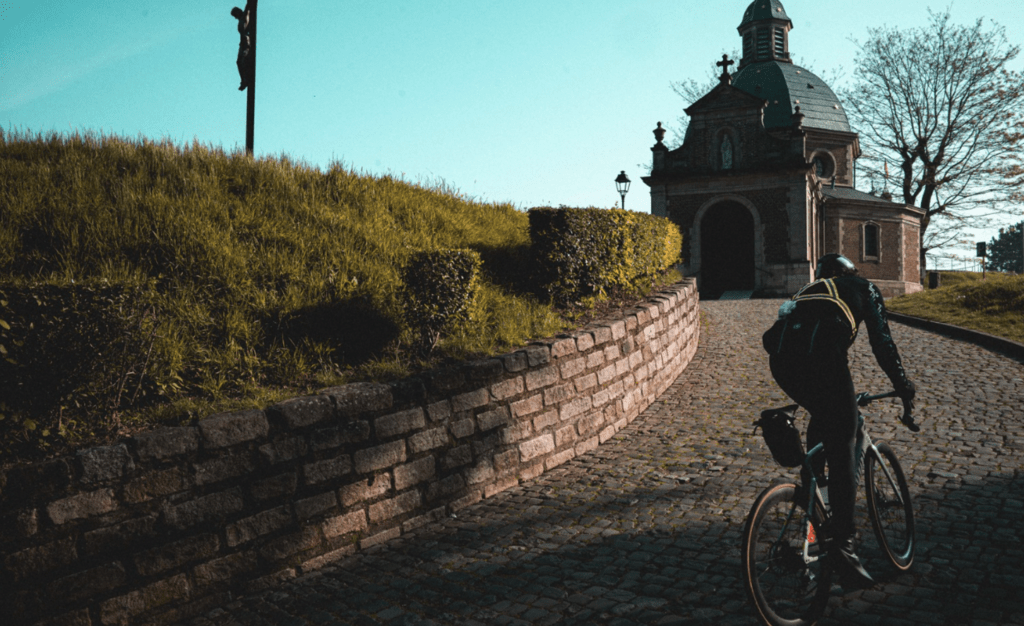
point(786, 542)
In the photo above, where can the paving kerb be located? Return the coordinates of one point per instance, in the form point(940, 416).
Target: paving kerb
point(646, 528)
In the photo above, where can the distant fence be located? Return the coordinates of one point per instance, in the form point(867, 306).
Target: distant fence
point(170, 523)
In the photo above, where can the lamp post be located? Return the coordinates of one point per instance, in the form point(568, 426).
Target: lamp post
point(622, 185)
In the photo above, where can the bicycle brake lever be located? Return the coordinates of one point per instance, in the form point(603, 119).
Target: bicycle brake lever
point(908, 420)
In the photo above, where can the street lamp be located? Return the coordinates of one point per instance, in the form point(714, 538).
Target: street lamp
point(622, 184)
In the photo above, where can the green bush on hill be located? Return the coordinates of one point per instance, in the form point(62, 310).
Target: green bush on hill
point(265, 277)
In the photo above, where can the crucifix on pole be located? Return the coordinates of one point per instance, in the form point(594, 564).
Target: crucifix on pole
point(246, 63)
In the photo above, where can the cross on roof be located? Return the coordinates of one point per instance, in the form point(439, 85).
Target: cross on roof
point(724, 64)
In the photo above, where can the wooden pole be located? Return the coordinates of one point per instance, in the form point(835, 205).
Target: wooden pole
point(250, 107)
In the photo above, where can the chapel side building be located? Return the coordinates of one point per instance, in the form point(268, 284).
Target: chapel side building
point(763, 184)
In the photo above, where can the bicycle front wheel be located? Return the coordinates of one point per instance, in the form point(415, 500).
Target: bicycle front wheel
point(784, 566)
point(889, 505)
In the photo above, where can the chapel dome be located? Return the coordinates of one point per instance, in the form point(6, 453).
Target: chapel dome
point(786, 86)
point(764, 10)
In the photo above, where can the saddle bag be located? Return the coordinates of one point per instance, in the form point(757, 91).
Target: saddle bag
point(782, 436)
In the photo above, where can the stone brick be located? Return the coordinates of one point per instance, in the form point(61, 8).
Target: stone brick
point(223, 468)
point(590, 424)
point(122, 609)
point(507, 388)
point(535, 447)
point(354, 431)
point(32, 561)
point(308, 508)
point(414, 473)
point(165, 443)
point(606, 375)
point(527, 406)
point(563, 347)
point(458, 457)
point(172, 555)
point(221, 431)
point(492, 419)
point(213, 507)
point(357, 398)
point(439, 411)
point(326, 559)
point(584, 341)
point(480, 473)
point(515, 433)
point(446, 487)
point(484, 371)
point(471, 400)
point(428, 440)
point(463, 428)
point(275, 486)
point(574, 408)
point(328, 469)
point(565, 436)
point(81, 506)
point(595, 359)
point(88, 583)
point(584, 383)
point(587, 445)
point(573, 367)
point(602, 335)
point(343, 524)
point(105, 463)
point(506, 461)
point(258, 525)
point(618, 328)
point(283, 450)
point(400, 423)
point(607, 433)
point(555, 460)
point(155, 485)
point(380, 457)
point(612, 353)
point(446, 380)
point(537, 354)
point(364, 490)
point(225, 569)
point(119, 536)
point(540, 378)
point(515, 362)
point(558, 393)
point(429, 517)
point(381, 538)
point(471, 498)
point(500, 485)
point(399, 505)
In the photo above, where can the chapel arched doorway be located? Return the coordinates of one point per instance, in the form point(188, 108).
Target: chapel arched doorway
point(726, 250)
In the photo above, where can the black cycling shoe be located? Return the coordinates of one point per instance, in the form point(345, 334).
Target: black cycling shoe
point(851, 573)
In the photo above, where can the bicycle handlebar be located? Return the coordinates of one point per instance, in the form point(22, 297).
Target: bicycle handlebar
point(906, 419)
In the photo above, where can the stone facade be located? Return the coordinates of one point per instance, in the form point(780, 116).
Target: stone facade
point(764, 183)
point(172, 522)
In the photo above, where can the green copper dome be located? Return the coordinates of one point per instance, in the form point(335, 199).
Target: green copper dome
point(786, 86)
point(764, 10)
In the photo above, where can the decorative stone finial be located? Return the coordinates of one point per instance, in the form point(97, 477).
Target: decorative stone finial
point(798, 119)
point(659, 134)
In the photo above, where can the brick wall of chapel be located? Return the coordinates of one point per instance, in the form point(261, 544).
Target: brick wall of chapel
point(771, 206)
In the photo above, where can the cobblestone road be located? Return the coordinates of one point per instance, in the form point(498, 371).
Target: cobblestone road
point(646, 529)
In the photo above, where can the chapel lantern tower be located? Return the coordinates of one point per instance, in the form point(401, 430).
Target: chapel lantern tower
point(765, 33)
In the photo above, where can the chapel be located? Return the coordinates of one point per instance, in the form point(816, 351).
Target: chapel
point(764, 182)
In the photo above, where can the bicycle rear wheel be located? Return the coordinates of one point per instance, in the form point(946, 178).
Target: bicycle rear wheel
point(889, 505)
point(788, 585)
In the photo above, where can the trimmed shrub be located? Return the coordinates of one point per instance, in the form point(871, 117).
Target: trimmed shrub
point(440, 287)
point(582, 254)
point(71, 353)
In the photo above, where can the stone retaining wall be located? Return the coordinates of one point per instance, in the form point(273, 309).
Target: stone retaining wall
point(169, 523)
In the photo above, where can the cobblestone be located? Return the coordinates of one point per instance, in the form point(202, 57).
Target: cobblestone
point(646, 528)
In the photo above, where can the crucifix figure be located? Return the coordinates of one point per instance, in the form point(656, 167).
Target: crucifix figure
point(246, 34)
point(724, 64)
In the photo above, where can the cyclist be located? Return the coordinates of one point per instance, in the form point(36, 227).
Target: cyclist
point(808, 358)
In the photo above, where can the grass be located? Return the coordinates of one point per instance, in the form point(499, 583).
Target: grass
point(270, 277)
point(994, 305)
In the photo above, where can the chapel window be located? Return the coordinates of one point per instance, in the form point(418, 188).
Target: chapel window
point(871, 242)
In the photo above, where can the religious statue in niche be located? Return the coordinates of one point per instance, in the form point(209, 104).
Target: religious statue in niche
point(726, 152)
point(245, 44)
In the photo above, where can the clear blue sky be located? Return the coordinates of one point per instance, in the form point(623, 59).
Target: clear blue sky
point(530, 102)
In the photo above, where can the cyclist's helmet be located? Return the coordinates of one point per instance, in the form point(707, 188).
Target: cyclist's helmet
point(834, 265)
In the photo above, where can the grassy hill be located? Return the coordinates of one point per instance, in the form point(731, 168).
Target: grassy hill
point(994, 305)
point(260, 278)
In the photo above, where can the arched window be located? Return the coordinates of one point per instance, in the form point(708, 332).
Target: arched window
point(871, 240)
point(727, 152)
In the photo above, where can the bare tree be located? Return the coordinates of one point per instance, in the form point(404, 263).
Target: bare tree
point(939, 106)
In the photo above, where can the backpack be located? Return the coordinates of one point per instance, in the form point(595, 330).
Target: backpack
point(816, 322)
